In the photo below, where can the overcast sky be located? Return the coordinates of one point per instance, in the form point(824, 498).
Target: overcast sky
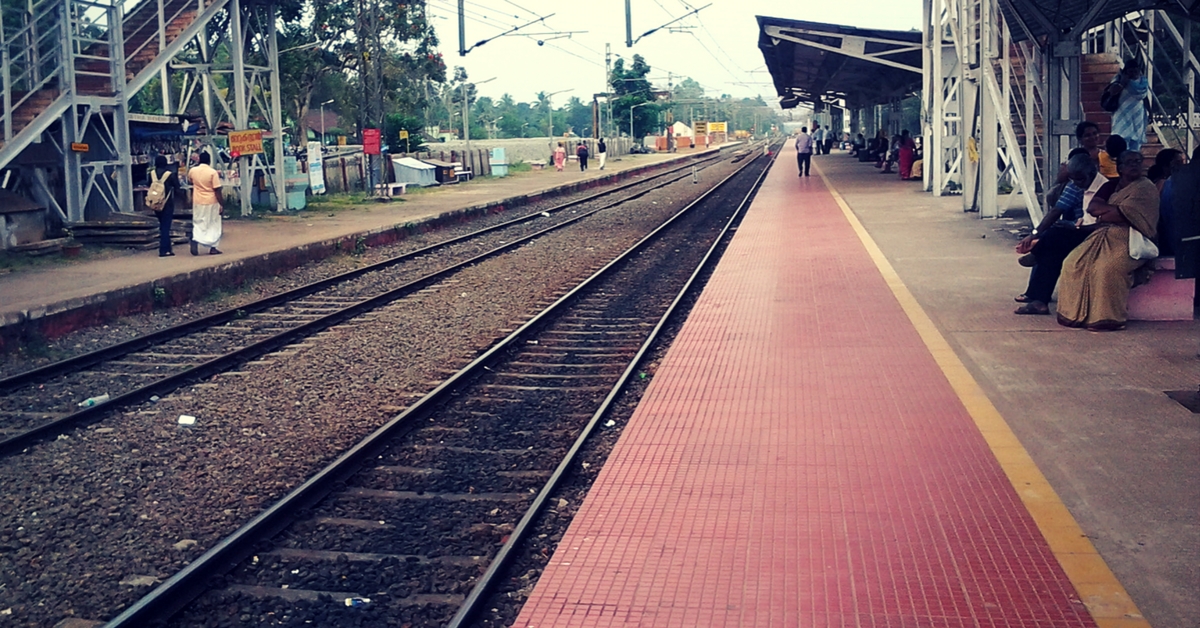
point(719, 50)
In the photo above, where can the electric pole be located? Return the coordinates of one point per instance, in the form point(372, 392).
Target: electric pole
point(608, 88)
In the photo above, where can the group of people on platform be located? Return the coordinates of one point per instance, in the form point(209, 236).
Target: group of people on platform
point(206, 204)
point(581, 153)
point(1108, 216)
point(1103, 210)
point(902, 151)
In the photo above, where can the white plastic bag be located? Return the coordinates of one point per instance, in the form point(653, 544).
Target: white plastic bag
point(1141, 247)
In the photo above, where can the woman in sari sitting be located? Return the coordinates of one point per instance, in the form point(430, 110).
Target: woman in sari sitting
point(1096, 276)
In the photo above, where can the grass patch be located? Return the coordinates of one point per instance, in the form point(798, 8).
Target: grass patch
point(520, 166)
point(22, 262)
point(220, 294)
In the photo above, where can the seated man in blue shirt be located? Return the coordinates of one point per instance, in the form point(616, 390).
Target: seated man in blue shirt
point(1057, 235)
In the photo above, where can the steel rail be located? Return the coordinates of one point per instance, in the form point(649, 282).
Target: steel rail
point(154, 338)
point(229, 360)
point(181, 588)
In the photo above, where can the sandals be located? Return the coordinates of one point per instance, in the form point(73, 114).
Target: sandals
point(1036, 308)
point(1021, 298)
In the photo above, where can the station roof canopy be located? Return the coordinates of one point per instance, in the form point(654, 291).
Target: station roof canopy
point(814, 62)
point(1034, 19)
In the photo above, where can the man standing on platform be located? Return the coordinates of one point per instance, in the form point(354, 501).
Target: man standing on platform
point(828, 140)
point(818, 137)
point(804, 150)
point(601, 152)
point(206, 206)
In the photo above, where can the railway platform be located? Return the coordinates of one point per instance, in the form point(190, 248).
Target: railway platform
point(56, 299)
point(853, 429)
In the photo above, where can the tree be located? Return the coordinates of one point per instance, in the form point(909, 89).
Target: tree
point(363, 38)
point(631, 89)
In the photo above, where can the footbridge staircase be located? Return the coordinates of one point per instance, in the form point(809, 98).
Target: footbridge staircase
point(69, 70)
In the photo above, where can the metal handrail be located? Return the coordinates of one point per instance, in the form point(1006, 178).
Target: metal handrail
point(184, 7)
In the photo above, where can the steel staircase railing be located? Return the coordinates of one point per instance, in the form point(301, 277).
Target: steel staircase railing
point(32, 58)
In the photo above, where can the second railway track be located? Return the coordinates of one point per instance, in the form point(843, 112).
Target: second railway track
point(41, 403)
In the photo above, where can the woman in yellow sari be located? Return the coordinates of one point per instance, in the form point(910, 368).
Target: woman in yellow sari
point(1096, 276)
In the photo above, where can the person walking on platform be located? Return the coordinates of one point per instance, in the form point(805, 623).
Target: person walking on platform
point(804, 150)
point(206, 206)
point(560, 157)
point(581, 152)
point(601, 152)
point(163, 175)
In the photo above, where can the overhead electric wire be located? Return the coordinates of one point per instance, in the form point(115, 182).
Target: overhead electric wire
point(577, 56)
point(523, 8)
point(704, 27)
point(482, 18)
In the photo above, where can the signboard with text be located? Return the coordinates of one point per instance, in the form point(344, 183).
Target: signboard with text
point(245, 143)
point(717, 127)
point(700, 128)
point(316, 169)
point(371, 141)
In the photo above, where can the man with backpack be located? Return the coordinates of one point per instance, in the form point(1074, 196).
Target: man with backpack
point(164, 186)
point(582, 153)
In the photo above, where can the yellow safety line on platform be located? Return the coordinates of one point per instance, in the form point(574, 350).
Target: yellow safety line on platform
point(1098, 589)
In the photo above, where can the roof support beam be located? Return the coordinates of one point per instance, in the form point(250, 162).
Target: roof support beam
point(1025, 7)
point(1086, 21)
point(851, 46)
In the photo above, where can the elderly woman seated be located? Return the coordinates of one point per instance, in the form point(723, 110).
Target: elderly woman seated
point(1097, 275)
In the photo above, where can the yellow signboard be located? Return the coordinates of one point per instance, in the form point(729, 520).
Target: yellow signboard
point(245, 143)
point(341, 140)
point(700, 128)
point(717, 127)
point(403, 134)
point(79, 148)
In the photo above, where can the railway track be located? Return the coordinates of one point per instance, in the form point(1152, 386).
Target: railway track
point(41, 403)
point(414, 524)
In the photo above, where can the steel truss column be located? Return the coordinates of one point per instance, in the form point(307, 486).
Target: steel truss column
point(100, 175)
point(120, 119)
point(989, 116)
point(279, 181)
point(241, 114)
point(968, 92)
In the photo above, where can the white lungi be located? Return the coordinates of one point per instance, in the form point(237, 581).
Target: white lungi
point(602, 157)
point(206, 224)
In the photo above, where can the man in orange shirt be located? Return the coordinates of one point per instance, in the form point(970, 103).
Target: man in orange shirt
point(206, 206)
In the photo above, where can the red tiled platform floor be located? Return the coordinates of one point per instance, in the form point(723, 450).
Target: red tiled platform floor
point(800, 460)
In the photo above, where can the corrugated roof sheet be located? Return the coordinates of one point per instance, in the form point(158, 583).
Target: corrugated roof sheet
point(1038, 15)
point(803, 73)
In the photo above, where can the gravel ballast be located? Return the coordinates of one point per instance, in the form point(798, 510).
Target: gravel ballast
point(94, 519)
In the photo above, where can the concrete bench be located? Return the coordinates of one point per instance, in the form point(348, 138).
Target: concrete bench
point(389, 189)
point(462, 175)
point(1163, 298)
point(537, 165)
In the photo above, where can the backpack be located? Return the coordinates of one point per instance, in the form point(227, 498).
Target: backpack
point(1110, 98)
point(156, 196)
point(582, 151)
